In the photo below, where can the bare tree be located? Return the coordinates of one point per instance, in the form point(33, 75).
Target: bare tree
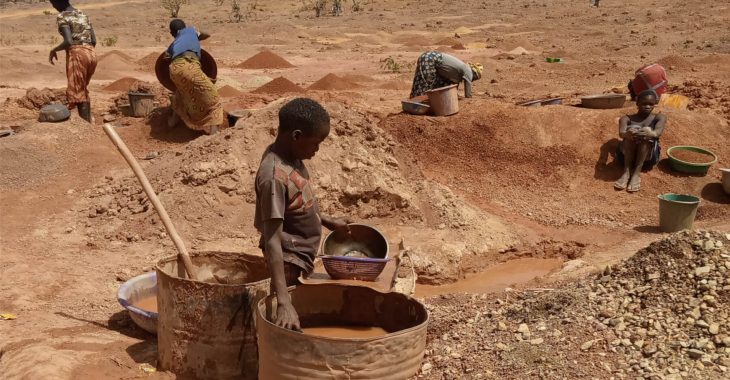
point(173, 6)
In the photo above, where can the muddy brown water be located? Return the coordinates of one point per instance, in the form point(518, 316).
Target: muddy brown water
point(495, 278)
point(147, 304)
point(345, 332)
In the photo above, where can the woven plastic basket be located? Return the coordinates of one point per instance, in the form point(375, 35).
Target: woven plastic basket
point(353, 268)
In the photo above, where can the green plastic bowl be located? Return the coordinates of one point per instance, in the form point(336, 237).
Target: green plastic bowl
point(690, 167)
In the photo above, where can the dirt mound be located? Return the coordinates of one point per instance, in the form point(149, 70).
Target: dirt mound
point(116, 54)
point(265, 60)
point(458, 46)
point(115, 61)
point(332, 82)
point(34, 98)
point(713, 95)
point(229, 92)
point(279, 85)
point(212, 179)
point(148, 61)
point(123, 84)
point(655, 315)
point(676, 62)
point(516, 158)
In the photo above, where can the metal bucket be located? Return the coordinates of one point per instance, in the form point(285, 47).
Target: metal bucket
point(286, 354)
point(141, 104)
point(444, 101)
point(677, 212)
point(206, 330)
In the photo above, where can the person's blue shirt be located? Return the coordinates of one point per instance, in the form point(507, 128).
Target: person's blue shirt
point(186, 40)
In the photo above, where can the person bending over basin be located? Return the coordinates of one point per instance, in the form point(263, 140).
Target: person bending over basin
point(639, 149)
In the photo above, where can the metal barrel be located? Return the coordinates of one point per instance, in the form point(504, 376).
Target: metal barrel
point(206, 330)
point(286, 354)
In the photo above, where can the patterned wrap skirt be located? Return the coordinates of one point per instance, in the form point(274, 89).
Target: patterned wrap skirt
point(80, 66)
point(427, 77)
point(196, 100)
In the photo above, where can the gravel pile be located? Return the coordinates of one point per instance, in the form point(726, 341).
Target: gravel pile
point(661, 314)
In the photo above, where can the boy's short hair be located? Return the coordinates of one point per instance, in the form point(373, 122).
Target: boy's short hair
point(176, 25)
point(648, 92)
point(304, 114)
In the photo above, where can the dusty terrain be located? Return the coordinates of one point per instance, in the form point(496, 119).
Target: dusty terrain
point(497, 184)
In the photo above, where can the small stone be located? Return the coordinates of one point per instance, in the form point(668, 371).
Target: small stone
point(501, 326)
point(537, 341)
point(709, 245)
point(714, 328)
point(587, 345)
point(702, 270)
point(695, 354)
point(426, 368)
point(523, 329)
point(650, 349)
point(502, 347)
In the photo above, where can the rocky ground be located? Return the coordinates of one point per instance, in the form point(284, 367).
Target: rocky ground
point(661, 314)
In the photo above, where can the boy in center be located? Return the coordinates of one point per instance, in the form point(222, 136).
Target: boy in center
point(287, 213)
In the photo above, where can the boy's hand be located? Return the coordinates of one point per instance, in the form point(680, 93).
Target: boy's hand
point(287, 317)
point(336, 223)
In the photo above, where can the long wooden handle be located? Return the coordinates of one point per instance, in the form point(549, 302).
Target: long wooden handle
point(182, 251)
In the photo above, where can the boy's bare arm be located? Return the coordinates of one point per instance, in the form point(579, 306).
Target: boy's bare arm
point(334, 223)
point(286, 315)
point(623, 126)
point(661, 122)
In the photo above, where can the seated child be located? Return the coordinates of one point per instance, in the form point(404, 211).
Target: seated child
point(639, 149)
point(287, 213)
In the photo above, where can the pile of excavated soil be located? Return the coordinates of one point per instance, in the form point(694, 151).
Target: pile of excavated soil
point(332, 82)
point(675, 62)
point(123, 84)
point(458, 46)
point(148, 61)
point(712, 94)
point(554, 164)
point(279, 85)
point(413, 41)
point(265, 60)
point(34, 98)
point(355, 172)
point(661, 314)
point(115, 61)
point(229, 92)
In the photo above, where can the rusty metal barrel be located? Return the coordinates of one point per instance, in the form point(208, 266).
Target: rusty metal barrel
point(397, 355)
point(206, 330)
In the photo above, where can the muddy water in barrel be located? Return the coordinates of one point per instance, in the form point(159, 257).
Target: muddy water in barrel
point(495, 278)
point(147, 304)
point(345, 332)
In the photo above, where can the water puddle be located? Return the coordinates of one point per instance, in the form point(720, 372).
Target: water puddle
point(494, 279)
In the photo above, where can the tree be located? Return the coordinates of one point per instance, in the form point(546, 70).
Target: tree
point(173, 6)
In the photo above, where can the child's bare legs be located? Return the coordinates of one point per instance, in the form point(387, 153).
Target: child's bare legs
point(642, 151)
point(635, 153)
point(629, 149)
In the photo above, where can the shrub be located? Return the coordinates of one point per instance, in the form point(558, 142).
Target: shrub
point(173, 6)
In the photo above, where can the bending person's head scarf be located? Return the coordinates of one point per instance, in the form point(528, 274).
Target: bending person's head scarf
point(476, 69)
